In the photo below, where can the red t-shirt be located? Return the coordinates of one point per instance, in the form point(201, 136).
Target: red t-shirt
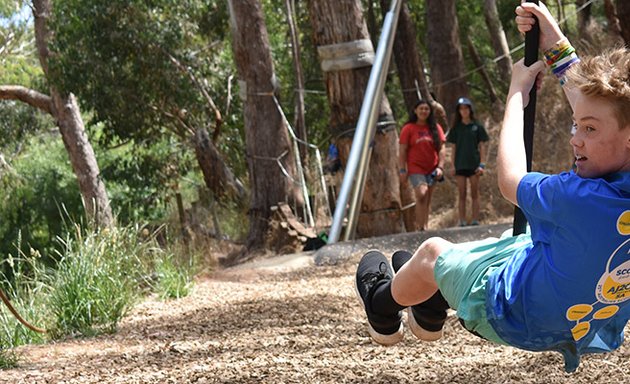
point(421, 154)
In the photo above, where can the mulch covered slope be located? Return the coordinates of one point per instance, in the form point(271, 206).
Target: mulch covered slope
point(288, 325)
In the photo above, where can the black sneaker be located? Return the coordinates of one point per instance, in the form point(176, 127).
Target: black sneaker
point(425, 320)
point(400, 258)
point(373, 271)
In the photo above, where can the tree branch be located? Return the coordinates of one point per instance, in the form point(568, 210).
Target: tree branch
point(27, 95)
point(218, 119)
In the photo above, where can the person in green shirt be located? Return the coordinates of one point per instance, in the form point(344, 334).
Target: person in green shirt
point(468, 139)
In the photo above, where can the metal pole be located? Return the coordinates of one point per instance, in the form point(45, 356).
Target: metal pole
point(361, 144)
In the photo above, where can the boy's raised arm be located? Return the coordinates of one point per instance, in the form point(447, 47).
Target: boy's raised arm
point(511, 160)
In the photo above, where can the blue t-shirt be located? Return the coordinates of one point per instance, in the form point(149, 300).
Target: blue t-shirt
point(569, 290)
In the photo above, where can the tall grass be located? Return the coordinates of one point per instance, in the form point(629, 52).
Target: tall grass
point(97, 278)
point(93, 286)
point(174, 279)
point(27, 291)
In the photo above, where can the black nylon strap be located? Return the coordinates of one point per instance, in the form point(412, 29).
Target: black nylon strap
point(531, 55)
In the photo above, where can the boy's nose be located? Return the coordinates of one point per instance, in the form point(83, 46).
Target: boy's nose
point(576, 141)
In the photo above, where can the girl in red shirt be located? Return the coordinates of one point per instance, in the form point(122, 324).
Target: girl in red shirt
point(421, 157)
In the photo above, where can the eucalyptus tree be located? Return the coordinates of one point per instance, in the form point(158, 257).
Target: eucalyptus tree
point(498, 39)
point(145, 70)
point(623, 14)
point(63, 107)
point(445, 53)
point(268, 147)
point(341, 36)
point(19, 66)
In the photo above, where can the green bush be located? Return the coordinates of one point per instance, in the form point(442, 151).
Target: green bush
point(27, 292)
point(174, 281)
point(94, 284)
point(96, 281)
point(36, 192)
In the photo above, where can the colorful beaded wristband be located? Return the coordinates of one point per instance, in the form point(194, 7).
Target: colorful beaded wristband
point(560, 57)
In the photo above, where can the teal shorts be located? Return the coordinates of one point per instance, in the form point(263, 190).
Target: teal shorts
point(462, 272)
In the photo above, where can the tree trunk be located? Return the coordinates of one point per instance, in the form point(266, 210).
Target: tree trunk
point(218, 177)
point(83, 159)
point(613, 21)
point(341, 21)
point(267, 143)
point(216, 174)
point(65, 110)
point(445, 53)
point(408, 59)
point(299, 122)
point(623, 13)
point(410, 65)
point(499, 41)
point(584, 19)
point(479, 64)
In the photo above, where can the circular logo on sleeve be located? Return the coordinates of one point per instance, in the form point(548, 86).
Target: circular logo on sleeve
point(614, 285)
point(623, 223)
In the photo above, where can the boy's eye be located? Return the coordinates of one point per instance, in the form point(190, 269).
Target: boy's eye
point(585, 128)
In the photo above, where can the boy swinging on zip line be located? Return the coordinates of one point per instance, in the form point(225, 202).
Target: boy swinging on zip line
point(565, 285)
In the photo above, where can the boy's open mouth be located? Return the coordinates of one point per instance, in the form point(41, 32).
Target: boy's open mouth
point(580, 158)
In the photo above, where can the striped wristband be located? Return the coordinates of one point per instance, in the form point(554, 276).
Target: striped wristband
point(559, 58)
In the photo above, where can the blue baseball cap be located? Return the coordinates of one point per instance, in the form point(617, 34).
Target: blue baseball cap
point(465, 101)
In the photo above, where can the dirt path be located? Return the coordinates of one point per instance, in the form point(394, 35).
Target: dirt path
point(297, 323)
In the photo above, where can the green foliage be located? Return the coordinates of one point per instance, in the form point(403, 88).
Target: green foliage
point(141, 179)
point(173, 280)
point(27, 290)
point(93, 286)
point(130, 62)
point(140, 67)
point(18, 122)
point(32, 192)
point(18, 56)
point(8, 359)
point(9, 8)
point(214, 20)
point(97, 279)
point(38, 189)
point(115, 55)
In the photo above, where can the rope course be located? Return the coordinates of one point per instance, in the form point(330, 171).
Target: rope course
point(300, 178)
point(494, 60)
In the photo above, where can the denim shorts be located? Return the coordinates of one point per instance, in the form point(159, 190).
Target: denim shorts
point(462, 272)
point(417, 179)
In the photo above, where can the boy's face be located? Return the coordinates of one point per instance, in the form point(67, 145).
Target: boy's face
point(599, 145)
